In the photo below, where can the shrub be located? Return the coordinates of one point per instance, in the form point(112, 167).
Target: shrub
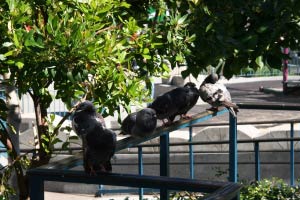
point(267, 189)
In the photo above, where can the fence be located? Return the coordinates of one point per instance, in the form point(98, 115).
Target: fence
point(59, 171)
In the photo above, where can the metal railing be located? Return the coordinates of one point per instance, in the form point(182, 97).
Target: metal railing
point(61, 170)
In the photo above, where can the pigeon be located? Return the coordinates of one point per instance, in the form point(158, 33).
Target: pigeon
point(140, 123)
point(98, 142)
point(192, 97)
point(217, 95)
point(175, 102)
point(85, 112)
point(99, 149)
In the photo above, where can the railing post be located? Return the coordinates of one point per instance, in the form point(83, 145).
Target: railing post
point(292, 156)
point(191, 152)
point(257, 161)
point(164, 162)
point(141, 170)
point(232, 148)
point(36, 188)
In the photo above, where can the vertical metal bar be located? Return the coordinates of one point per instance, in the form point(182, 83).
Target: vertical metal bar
point(257, 161)
point(292, 156)
point(141, 170)
point(36, 188)
point(191, 152)
point(164, 162)
point(232, 148)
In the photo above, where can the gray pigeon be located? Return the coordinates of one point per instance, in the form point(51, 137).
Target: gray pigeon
point(140, 123)
point(175, 102)
point(98, 142)
point(217, 95)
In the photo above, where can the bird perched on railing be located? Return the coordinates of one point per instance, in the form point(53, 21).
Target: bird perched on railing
point(216, 94)
point(140, 123)
point(175, 102)
point(98, 142)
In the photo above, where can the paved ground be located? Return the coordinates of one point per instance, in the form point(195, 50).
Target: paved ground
point(246, 91)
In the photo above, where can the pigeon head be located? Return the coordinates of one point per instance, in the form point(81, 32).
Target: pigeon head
point(211, 78)
point(145, 115)
point(86, 106)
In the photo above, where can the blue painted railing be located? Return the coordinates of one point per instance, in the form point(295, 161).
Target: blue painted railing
point(233, 164)
point(60, 171)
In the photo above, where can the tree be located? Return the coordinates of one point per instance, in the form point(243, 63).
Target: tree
point(108, 50)
point(240, 34)
point(94, 50)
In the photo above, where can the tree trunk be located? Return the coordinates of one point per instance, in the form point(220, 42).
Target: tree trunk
point(42, 129)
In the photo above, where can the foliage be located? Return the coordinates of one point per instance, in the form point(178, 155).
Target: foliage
point(270, 189)
point(16, 163)
point(237, 34)
point(96, 49)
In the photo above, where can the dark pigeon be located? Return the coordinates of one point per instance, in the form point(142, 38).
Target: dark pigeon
point(99, 149)
point(217, 95)
point(98, 142)
point(175, 102)
point(84, 113)
point(140, 123)
point(192, 97)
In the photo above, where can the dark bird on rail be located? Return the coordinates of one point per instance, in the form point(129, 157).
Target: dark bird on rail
point(191, 98)
point(140, 123)
point(84, 113)
point(217, 95)
point(98, 142)
point(99, 149)
point(175, 102)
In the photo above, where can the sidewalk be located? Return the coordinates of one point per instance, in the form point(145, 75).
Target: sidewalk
point(65, 196)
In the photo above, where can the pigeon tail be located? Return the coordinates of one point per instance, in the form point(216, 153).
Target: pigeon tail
point(233, 108)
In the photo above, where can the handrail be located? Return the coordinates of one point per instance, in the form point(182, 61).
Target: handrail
point(251, 105)
point(131, 141)
point(60, 170)
point(221, 190)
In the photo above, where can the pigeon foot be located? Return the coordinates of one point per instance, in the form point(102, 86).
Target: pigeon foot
point(186, 116)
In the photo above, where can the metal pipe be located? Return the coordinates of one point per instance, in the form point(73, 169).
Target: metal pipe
point(232, 148)
point(268, 106)
point(141, 170)
point(257, 161)
point(164, 162)
point(191, 153)
point(292, 156)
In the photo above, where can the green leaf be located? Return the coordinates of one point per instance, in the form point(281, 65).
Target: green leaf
point(2, 57)
point(182, 19)
point(19, 65)
point(259, 61)
point(70, 76)
point(16, 41)
point(146, 51)
point(209, 26)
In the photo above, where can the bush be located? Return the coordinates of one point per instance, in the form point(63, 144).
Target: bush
point(270, 189)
